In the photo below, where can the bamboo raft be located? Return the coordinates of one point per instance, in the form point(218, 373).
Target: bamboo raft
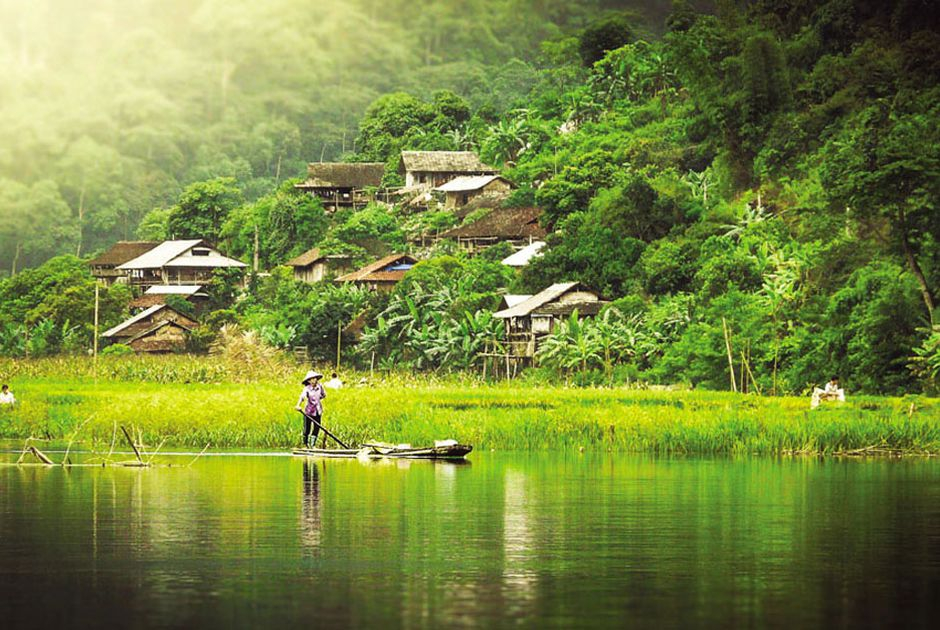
point(378, 450)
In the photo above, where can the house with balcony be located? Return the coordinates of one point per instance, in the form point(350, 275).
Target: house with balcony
point(185, 262)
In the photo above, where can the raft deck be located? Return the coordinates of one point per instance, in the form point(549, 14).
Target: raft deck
point(373, 451)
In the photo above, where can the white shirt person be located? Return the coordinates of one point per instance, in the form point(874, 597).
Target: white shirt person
point(7, 397)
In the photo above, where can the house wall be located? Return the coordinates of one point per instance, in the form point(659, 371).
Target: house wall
point(310, 273)
point(166, 339)
point(577, 297)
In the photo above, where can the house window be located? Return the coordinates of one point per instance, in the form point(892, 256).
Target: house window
point(200, 252)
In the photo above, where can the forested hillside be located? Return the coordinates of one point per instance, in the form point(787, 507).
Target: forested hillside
point(111, 107)
point(764, 174)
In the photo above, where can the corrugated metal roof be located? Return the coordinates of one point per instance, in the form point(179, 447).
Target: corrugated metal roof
point(443, 162)
point(524, 256)
point(543, 297)
point(512, 300)
point(202, 262)
point(133, 320)
point(467, 183)
point(160, 255)
point(173, 289)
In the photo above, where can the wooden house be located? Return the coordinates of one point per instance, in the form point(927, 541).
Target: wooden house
point(430, 169)
point(159, 328)
point(158, 293)
point(341, 184)
point(383, 274)
point(518, 226)
point(530, 320)
point(315, 266)
point(104, 267)
point(462, 190)
point(177, 262)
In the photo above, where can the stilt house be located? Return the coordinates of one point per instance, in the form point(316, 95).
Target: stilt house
point(518, 226)
point(532, 319)
point(177, 262)
point(343, 185)
point(430, 169)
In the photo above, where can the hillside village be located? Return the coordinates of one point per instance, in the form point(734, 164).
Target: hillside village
point(160, 273)
point(735, 199)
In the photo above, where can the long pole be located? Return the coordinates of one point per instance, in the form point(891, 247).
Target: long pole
point(323, 428)
point(724, 327)
point(95, 342)
point(339, 342)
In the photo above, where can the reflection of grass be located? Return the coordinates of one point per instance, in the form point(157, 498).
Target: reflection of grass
point(500, 416)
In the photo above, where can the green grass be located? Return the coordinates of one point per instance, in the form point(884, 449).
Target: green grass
point(500, 416)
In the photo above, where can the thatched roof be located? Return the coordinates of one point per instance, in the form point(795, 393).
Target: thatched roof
point(382, 270)
point(313, 255)
point(147, 301)
point(121, 252)
point(443, 162)
point(344, 175)
point(508, 223)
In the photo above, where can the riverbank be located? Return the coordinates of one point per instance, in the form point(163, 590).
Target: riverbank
point(489, 416)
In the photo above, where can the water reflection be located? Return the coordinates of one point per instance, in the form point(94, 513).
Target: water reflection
point(540, 539)
point(310, 504)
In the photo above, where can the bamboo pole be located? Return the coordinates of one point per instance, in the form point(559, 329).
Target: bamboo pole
point(339, 342)
point(724, 326)
point(95, 342)
point(133, 446)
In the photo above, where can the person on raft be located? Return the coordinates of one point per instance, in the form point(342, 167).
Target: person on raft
point(310, 404)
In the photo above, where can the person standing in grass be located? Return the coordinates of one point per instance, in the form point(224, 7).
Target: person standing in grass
point(7, 400)
point(311, 404)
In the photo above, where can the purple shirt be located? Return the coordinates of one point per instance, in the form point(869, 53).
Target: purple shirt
point(313, 395)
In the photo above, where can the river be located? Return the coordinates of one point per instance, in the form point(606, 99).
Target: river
point(535, 540)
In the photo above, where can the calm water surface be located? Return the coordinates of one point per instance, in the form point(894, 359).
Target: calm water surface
point(509, 539)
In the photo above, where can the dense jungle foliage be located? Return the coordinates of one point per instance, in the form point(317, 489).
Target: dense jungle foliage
point(769, 169)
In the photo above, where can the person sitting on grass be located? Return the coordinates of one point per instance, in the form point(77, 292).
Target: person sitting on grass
point(334, 382)
point(310, 404)
point(831, 391)
point(7, 399)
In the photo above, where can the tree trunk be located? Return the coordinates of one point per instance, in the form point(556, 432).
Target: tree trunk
point(81, 221)
point(16, 257)
point(915, 266)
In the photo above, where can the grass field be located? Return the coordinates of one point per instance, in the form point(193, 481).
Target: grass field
point(55, 402)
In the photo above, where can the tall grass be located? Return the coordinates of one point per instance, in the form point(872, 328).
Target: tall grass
point(503, 417)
